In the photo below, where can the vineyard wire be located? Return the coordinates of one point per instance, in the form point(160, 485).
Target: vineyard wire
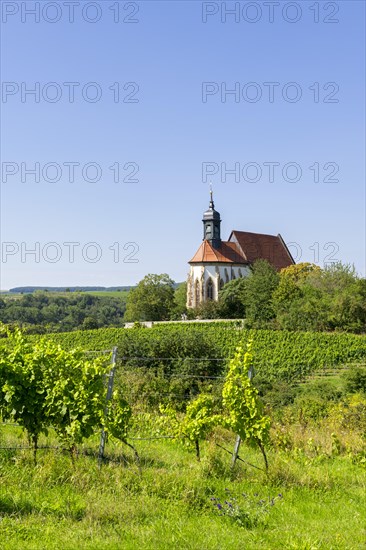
point(177, 396)
point(323, 371)
point(129, 358)
point(54, 447)
point(110, 380)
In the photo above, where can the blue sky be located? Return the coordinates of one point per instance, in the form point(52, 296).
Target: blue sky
point(167, 124)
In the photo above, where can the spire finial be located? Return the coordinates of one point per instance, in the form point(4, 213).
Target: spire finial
point(211, 196)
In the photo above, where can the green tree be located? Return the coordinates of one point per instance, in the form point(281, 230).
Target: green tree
point(290, 281)
point(89, 323)
point(207, 310)
point(343, 296)
point(307, 311)
point(180, 301)
point(151, 300)
point(232, 299)
point(288, 303)
point(259, 288)
point(333, 298)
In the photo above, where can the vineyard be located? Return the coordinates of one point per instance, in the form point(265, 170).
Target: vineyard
point(44, 386)
point(277, 354)
point(168, 411)
point(159, 374)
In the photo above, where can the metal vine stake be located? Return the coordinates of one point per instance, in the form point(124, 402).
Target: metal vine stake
point(103, 435)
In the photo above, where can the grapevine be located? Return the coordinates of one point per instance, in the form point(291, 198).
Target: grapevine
point(243, 412)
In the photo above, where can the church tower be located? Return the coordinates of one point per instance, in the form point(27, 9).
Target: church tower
point(211, 225)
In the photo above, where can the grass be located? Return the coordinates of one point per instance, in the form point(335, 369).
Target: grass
point(167, 502)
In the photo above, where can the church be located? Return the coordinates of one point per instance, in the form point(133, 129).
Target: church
point(217, 262)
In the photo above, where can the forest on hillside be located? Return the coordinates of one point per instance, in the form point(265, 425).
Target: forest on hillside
point(42, 312)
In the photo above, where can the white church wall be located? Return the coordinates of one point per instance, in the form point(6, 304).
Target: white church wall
point(220, 274)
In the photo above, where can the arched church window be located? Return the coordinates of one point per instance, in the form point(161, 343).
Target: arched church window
point(226, 276)
point(221, 284)
point(240, 273)
point(209, 289)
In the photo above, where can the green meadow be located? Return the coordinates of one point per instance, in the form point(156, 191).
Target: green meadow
point(313, 497)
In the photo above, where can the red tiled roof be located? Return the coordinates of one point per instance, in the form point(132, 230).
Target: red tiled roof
point(268, 247)
point(245, 248)
point(228, 253)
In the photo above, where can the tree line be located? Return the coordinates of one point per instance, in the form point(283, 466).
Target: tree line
point(42, 311)
point(299, 297)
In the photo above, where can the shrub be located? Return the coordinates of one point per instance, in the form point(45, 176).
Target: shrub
point(355, 380)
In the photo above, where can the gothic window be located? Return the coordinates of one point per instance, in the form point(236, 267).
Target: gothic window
point(209, 289)
point(197, 292)
point(226, 276)
point(240, 273)
point(221, 284)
